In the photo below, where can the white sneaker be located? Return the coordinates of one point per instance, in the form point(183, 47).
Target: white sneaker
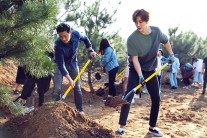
point(156, 132)
point(133, 101)
point(145, 91)
point(119, 131)
point(29, 109)
point(136, 96)
point(82, 113)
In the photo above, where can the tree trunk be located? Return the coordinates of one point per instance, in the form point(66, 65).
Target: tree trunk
point(89, 79)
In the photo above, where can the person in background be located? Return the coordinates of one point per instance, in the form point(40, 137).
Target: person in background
point(20, 79)
point(204, 71)
point(126, 75)
point(109, 63)
point(43, 85)
point(173, 73)
point(159, 65)
point(143, 45)
point(66, 51)
point(198, 76)
point(186, 75)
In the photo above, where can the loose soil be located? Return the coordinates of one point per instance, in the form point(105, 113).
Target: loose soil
point(183, 114)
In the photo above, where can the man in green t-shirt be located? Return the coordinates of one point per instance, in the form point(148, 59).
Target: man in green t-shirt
point(143, 45)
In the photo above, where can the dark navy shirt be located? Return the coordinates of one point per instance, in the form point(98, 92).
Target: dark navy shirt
point(66, 54)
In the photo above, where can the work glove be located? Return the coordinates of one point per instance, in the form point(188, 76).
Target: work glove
point(141, 78)
point(171, 58)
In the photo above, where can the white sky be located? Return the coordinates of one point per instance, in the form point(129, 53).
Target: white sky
point(188, 14)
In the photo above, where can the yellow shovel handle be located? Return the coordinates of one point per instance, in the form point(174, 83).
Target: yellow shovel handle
point(76, 78)
point(151, 76)
point(121, 74)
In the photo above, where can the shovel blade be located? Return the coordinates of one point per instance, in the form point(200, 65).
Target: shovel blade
point(131, 93)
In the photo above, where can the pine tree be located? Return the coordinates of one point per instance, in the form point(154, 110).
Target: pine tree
point(95, 21)
point(26, 28)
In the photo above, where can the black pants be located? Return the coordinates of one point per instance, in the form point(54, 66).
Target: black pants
point(43, 85)
point(153, 89)
point(159, 79)
point(204, 80)
point(112, 77)
point(186, 81)
point(21, 75)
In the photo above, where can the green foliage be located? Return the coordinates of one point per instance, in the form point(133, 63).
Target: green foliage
point(6, 101)
point(26, 31)
point(95, 21)
point(187, 45)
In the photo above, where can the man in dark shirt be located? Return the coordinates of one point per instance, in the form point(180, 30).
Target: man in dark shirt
point(66, 48)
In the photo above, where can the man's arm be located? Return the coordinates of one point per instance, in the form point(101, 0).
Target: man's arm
point(137, 66)
point(87, 43)
point(168, 48)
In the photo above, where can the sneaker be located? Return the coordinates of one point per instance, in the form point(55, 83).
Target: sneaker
point(20, 101)
point(193, 84)
point(156, 132)
point(82, 113)
point(29, 109)
point(15, 92)
point(145, 91)
point(136, 96)
point(119, 131)
point(133, 101)
point(107, 97)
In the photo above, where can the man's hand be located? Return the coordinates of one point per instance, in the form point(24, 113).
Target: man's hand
point(92, 53)
point(71, 83)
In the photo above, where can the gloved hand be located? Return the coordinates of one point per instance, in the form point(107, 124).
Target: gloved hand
point(171, 58)
point(141, 78)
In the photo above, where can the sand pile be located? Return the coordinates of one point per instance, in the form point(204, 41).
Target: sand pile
point(58, 120)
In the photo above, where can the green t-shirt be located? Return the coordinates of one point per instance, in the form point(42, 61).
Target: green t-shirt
point(146, 47)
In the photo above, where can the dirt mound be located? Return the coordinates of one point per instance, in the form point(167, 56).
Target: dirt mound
point(115, 101)
point(58, 120)
point(8, 73)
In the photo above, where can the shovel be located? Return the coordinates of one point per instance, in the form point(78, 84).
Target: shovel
point(109, 102)
point(76, 78)
point(121, 74)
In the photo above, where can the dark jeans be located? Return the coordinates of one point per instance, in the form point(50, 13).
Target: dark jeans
point(57, 91)
point(159, 79)
point(153, 89)
point(205, 80)
point(43, 85)
point(186, 81)
point(112, 77)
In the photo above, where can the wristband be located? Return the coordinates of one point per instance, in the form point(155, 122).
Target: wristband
point(91, 51)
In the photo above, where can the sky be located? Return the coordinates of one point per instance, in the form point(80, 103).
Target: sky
point(189, 15)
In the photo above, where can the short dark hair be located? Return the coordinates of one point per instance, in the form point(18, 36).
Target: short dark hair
point(142, 13)
point(161, 51)
point(63, 27)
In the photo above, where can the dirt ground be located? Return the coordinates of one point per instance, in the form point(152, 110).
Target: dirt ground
point(183, 114)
